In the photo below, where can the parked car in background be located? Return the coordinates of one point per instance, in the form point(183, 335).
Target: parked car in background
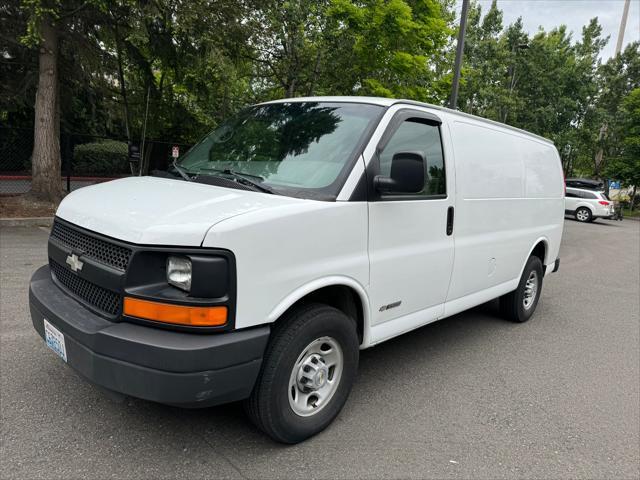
point(586, 183)
point(586, 205)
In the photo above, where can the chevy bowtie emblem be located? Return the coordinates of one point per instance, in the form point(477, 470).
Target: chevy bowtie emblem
point(74, 262)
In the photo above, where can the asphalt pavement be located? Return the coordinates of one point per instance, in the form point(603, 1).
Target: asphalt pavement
point(471, 396)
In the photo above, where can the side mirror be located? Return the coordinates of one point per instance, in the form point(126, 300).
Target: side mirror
point(407, 174)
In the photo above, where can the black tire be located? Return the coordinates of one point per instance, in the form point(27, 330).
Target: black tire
point(269, 406)
point(584, 215)
point(512, 305)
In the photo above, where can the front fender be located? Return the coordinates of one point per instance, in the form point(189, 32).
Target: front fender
point(285, 252)
point(317, 284)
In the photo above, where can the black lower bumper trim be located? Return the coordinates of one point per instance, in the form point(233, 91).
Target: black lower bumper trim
point(184, 369)
point(556, 265)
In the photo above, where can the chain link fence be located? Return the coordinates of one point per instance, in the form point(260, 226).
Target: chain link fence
point(85, 159)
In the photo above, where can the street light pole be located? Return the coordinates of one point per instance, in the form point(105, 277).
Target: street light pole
point(623, 25)
point(453, 101)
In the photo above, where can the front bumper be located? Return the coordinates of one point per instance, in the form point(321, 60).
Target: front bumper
point(175, 368)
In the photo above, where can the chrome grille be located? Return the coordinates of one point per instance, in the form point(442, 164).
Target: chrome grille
point(100, 250)
point(101, 298)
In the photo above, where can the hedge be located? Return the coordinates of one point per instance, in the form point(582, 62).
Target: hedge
point(105, 157)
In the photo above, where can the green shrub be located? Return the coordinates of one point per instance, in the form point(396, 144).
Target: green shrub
point(104, 157)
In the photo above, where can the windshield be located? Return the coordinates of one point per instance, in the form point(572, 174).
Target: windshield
point(300, 149)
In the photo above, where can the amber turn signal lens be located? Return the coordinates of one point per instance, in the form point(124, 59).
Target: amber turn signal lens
point(176, 314)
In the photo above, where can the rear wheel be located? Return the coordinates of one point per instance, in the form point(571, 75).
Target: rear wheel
point(519, 305)
point(307, 373)
point(583, 214)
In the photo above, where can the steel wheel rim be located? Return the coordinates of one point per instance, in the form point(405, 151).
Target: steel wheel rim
point(315, 376)
point(582, 215)
point(530, 290)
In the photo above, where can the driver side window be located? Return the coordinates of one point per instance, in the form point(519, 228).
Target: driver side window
point(415, 135)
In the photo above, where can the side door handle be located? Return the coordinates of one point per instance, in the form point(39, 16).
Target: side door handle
point(450, 220)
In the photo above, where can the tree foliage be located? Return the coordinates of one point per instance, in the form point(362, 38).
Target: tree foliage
point(388, 48)
point(625, 166)
point(196, 62)
point(549, 83)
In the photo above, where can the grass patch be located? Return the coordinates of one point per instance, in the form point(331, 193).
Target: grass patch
point(628, 213)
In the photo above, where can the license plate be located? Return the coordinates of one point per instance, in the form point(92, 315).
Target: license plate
point(55, 340)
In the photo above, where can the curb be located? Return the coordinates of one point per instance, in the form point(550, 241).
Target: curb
point(26, 222)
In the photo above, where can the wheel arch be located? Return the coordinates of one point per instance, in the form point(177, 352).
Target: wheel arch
point(343, 293)
point(540, 249)
point(586, 205)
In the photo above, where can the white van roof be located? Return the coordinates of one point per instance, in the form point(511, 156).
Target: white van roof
point(387, 102)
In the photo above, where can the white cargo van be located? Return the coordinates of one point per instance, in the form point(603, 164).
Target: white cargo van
point(294, 235)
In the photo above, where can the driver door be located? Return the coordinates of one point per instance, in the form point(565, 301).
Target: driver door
point(410, 247)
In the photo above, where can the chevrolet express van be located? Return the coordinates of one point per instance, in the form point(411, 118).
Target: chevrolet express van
point(294, 235)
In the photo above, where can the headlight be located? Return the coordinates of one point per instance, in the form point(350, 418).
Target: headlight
point(179, 272)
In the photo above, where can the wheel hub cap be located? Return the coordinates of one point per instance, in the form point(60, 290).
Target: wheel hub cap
point(315, 376)
point(530, 290)
point(313, 373)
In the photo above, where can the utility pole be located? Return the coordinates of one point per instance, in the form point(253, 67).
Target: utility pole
point(623, 26)
point(603, 129)
point(459, 52)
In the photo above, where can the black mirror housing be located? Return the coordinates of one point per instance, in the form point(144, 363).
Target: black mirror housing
point(407, 174)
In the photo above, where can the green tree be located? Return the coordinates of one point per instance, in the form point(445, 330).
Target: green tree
point(487, 64)
point(18, 74)
point(546, 84)
point(389, 48)
point(626, 165)
point(616, 79)
point(192, 81)
point(51, 26)
point(92, 66)
point(99, 61)
point(286, 44)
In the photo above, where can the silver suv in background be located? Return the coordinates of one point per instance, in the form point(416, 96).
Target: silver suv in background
point(587, 205)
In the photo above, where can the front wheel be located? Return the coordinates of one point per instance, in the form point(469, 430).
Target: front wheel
point(519, 305)
point(307, 373)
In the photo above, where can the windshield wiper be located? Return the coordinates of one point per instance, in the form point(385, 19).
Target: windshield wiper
point(245, 179)
point(181, 171)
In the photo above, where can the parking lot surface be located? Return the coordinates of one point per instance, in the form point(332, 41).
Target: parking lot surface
point(470, 396)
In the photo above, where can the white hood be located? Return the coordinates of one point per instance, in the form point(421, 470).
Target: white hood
point(159, 211)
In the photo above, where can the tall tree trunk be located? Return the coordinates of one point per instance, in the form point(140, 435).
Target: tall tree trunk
point(123, 88)
point(598, 159)
point(45, 162)
point(316, 73)
point(291, 89)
